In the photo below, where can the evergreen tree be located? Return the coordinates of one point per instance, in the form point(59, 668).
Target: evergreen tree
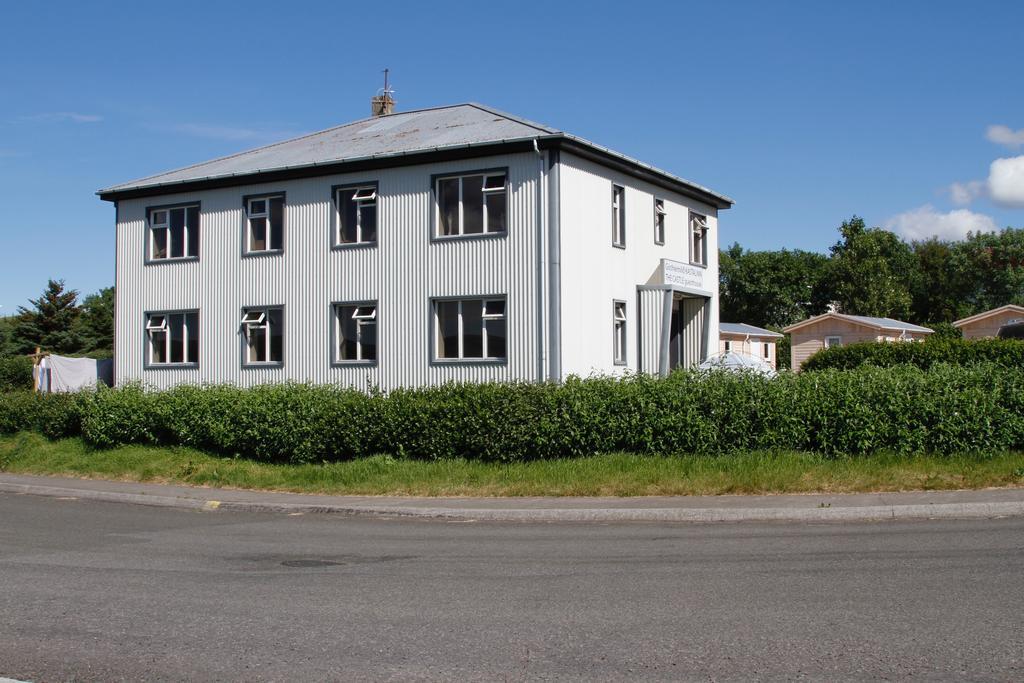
point(96, 323)
point(50, 323)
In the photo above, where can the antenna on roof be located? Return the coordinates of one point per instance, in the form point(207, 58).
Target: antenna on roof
point(383, 104)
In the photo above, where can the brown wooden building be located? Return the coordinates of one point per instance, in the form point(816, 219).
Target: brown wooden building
point(839, 329)
point(987, 324)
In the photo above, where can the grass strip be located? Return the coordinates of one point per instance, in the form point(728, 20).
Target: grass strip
point(613, 474)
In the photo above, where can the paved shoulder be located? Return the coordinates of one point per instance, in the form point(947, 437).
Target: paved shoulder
point(988, 503)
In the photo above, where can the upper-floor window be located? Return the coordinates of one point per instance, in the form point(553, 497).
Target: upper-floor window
point(470, 329)
point(618, 216)
point(265, 223)
point(699, 242)
point(174, 232)
point(356, 332)
point(619, 328)
point(357, 214)
point(475, 204)
point(659, 221)
point(173, 338)
point(263, 329)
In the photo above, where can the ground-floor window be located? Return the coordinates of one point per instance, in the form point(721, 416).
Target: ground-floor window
point(470, 329)
point(619, 327)
point(173, 338)
point(263, 329)
point(831, 341)
point(356, 332)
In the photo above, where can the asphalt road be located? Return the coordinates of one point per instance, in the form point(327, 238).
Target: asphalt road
point(106, 591)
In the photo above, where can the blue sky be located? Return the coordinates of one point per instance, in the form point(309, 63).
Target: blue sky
point(804, 112)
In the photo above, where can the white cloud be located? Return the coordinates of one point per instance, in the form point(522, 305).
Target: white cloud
point(1004, 135)
point(1006, 181)
point(925, 222)
point(965, 193)
point(65, 116)
point(230, 132)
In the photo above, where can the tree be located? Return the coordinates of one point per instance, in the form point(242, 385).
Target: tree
point(96, 324)
point(771, 288)
point(993, 265)
point(872, 271)
point(6, 335)
point(942, 291)
point(50, 323)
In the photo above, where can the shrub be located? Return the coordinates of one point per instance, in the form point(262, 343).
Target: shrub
point(902, 409)
point(1008, 353)
point(15, 373)
point(53, 415)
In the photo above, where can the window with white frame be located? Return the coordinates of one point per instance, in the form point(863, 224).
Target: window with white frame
point(699, 242)
point(263, 330)
point(173, 338)
point(357, 214)
point(470, 329)
point(659, 221)
point(173, 232)
point(618, 216)
point(356, 332)
point(619, 327)
point(833, 340)
point(265, 219)
point(728, 346)
point(474, 204)
point(767, 348)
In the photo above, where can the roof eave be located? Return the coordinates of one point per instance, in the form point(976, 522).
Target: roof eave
point(320, 168)
point(985, 314)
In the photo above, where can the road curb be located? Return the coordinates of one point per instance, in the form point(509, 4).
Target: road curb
point(972, 510)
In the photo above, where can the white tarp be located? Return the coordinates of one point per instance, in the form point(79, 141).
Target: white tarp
point(60, 374)
point(737, 362)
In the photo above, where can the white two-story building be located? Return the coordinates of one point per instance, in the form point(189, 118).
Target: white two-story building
point(449, 244)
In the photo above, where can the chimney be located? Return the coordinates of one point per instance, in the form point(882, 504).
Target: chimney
point(383, 104)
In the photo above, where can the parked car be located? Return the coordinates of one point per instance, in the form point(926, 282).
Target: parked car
point(1011, 331)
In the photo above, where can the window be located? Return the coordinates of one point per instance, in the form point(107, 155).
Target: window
point(833, 341)
point(265, 218)
point(767, 350)
point(470, 329)
point(173, 338)
point(356, 332)
point(174, 232)
point(263, 329)
point(728, 346)
point(659, 221)
point(357, 214)
point(472, 204)
point(619, 326)
point(699, 247)
point(618, 216)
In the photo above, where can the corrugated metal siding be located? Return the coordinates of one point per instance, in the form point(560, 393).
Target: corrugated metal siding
point(693, 320)
point(402, 273)
point(652, 314)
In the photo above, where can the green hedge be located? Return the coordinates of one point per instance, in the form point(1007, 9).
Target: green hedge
point(945, 409)
point(15, 373)
point(1008, 353)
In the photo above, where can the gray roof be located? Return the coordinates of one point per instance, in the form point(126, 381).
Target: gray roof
point(887, 323)
point(743, 328)
point(877, 323)
point(454, 127)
